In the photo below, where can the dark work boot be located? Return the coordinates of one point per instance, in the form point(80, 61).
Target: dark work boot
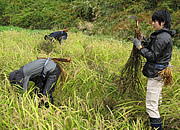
point(155, 123)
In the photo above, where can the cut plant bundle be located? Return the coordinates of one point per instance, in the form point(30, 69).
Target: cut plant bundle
point(167, 76)
point(130, 73)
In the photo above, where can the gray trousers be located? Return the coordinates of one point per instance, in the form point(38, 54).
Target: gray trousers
point(153, 94)
point(48, 84)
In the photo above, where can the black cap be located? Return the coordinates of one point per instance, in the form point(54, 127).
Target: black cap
point(12, 75)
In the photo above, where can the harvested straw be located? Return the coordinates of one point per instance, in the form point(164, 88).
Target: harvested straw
point(130, 73)
point(167, 76)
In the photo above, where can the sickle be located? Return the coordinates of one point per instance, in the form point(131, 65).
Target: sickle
point(135, 19)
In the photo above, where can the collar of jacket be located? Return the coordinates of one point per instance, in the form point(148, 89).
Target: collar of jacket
point(171, 32)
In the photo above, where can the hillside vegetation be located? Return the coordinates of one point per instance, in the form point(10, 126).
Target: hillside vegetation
point(108, 17)
point(89, 97)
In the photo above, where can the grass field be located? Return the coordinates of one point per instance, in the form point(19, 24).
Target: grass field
point(89, 97)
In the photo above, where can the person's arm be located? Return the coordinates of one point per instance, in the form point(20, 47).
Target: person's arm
point(25, 83)
point(156, 50)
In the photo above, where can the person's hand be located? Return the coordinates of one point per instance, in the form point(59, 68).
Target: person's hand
point(137, 42)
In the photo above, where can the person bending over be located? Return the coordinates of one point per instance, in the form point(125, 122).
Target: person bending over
point(58, 35)
point(44, 72)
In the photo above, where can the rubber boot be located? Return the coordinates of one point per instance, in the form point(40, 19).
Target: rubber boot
point(155, 123)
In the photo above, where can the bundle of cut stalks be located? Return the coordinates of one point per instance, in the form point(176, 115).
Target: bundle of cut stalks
point(167, 76)
point(130, 73)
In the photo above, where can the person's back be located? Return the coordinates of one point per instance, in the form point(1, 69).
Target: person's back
point(35, 67)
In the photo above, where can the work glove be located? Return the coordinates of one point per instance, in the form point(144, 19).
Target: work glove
point(136, 42)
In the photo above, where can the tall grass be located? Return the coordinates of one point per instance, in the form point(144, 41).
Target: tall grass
point(89, 98)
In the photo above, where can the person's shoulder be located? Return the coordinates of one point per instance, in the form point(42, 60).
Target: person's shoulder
point(164, 35)
point(164, 38)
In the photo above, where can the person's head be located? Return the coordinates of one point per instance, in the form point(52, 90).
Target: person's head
point(14, 79)
point(161, 19)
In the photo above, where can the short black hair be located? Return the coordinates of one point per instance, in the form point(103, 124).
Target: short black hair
point(162, 16)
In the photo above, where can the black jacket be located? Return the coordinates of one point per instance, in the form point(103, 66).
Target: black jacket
point(157, 51)
point(59, 35)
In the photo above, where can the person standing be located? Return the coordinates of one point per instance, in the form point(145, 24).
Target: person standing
point(157, 51)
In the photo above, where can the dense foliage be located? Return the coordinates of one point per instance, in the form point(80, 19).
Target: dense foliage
point(94, 16)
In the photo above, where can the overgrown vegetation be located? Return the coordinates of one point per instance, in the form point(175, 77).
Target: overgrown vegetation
point(89, 97)
point(93, 17)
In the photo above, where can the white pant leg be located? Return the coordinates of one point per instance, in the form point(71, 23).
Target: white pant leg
point(154, 89)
